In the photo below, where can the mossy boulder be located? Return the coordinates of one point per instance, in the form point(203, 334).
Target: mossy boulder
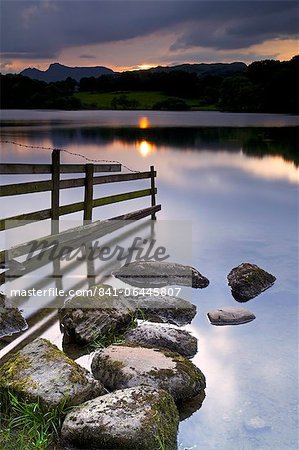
point(136, 418)
point(248, 280)
point(85, 319)
point(163, 336)
point(123, 366)
point(230, 316)
point(156, 274)
point(11, 319)
point(41, 371)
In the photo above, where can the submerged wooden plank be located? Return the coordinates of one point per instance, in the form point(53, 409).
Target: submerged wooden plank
point(24, 219)
point(95, 229)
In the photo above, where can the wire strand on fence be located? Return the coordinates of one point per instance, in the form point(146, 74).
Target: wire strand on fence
point(70, 153)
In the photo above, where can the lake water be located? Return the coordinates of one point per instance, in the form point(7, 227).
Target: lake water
point(235, 177)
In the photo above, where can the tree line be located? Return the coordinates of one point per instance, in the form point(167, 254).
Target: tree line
point(265, 86)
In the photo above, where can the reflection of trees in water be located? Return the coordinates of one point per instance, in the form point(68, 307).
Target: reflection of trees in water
point(256, 142)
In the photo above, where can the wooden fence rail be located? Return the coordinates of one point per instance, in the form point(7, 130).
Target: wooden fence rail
point(56, 184)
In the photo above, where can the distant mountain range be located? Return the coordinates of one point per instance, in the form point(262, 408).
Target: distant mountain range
point(221, 69)
point(59, 72)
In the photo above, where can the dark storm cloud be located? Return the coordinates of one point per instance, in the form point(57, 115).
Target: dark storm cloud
point(41, 29)
point(240, 25)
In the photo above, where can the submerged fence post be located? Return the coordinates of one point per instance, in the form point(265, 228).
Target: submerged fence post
point(153, 190)
point(88, 193)
point(55, 191)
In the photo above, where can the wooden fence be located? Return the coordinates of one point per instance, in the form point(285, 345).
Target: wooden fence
point(55, 184)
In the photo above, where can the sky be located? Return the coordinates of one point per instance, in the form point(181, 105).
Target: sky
point(127, 35)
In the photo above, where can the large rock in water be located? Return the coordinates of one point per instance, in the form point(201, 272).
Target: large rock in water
point(163, 336)
point(248, 280)
point(124, 366)
point(11, 319)
point(230, 316)
point(84, 319)
point(158, 274)
point(41, 370)
point(135, 418)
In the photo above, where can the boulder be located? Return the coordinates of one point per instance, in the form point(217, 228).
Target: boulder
point(84, 325)
point(11, 319)
point(84, 319)
point(170, 309)
point(163, 336)
point(135, 418)
point(248, 280)
point(41, 370)
point(156, 274)
point(124, 366)
point(230, 316)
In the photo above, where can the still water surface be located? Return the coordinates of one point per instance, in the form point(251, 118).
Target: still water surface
point(235, 176)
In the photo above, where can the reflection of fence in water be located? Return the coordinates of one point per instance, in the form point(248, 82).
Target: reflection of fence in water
point(93, 275)
point(80, 236)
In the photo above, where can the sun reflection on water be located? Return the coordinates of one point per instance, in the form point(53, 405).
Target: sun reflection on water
point(145, 148)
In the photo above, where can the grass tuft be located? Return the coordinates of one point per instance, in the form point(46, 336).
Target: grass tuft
point(27, 425)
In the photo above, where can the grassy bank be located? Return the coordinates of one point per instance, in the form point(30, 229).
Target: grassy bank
point(133, 100)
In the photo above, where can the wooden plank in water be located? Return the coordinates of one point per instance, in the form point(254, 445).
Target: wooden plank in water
point(98, 228)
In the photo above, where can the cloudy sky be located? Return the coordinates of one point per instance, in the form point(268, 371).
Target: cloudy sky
point(125, 34)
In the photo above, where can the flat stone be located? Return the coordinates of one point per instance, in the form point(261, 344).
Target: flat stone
point(170, 309)
point(124, 366)
point(41, 370)
point(158, 274)
point(11, 319)
point(134, 418)
point(83, 320)
point(256, 424)
point(163, 336)
point(230, 316)
point(248, 280)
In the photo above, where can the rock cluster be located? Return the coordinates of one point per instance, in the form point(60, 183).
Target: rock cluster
point(83, 319)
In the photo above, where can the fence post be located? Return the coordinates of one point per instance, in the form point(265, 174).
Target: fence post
point(153, 187)
point(55, 212)
point(88, 193)
point(55, 191)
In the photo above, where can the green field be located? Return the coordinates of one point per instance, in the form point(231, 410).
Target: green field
point(142, 100)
